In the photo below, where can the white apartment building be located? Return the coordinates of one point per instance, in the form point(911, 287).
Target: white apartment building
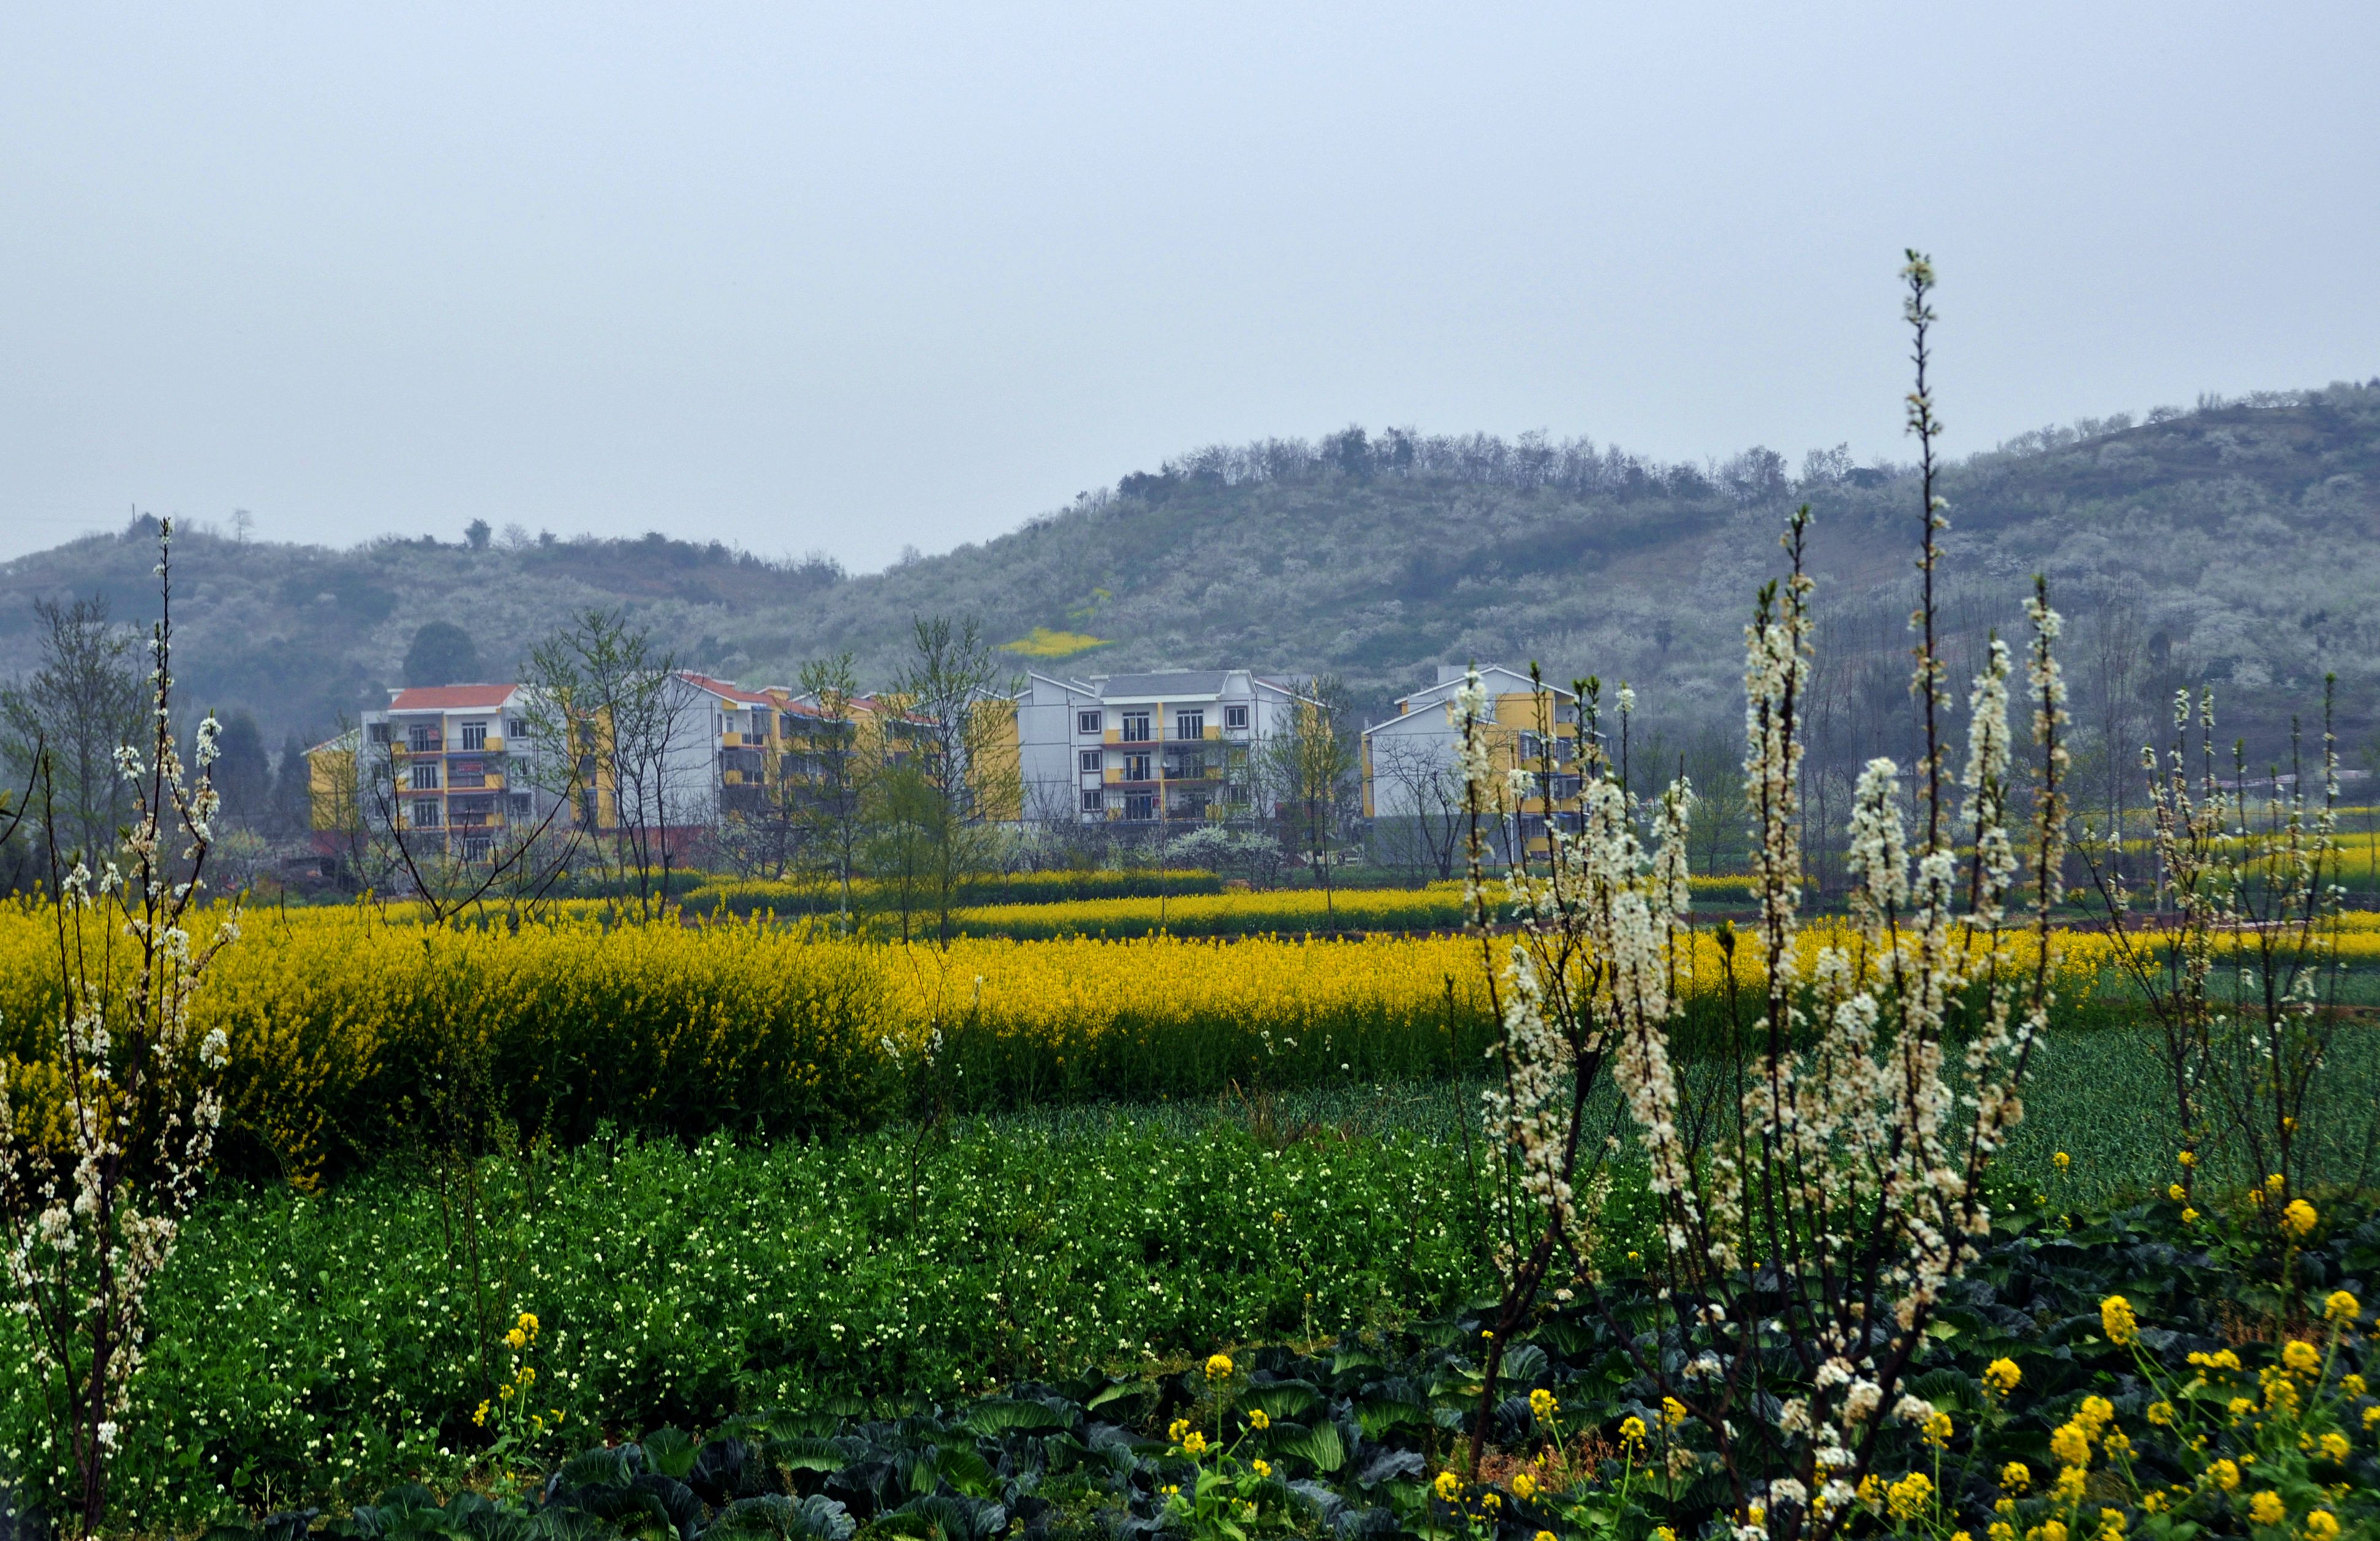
point(1413, 788)
point(450, 763)
point(1141, 750)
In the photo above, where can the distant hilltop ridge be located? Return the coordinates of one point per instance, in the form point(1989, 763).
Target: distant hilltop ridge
point(2238, 533)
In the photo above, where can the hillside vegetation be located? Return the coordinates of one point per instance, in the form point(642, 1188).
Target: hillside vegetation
point(2241, 531)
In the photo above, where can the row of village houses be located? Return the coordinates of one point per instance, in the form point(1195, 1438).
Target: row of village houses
point(456, 763)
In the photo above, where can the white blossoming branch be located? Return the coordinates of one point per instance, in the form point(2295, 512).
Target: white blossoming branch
point(90, 1219)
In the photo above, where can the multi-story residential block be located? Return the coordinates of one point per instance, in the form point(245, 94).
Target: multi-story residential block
point(460, 766)
point(1413, 784)
point(733, 749)
point(450, 763)
point(1148, 749)
point(815, 744)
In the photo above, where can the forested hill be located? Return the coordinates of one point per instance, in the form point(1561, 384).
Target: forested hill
point(2241, 541)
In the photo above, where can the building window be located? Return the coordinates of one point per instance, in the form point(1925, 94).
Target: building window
point(1090, 761)
point(1135, 728)
point(380, 732)
point(475, 734)
point(425, 776)
point(1086, 722)
point(1140, 807)
point(421, 737)
point(516, 727)
point(477, 848)
point(1189, 725)
point(467, 773)
point(1237, 717)
point(1095, 802)
point(1136, 769)
point(426, 814)
point(520, 805)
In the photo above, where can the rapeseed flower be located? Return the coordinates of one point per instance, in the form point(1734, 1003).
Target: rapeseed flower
point(1910, 1497)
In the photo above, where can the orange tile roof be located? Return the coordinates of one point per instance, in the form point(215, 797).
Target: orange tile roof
point(721, 688)
point(450, 698)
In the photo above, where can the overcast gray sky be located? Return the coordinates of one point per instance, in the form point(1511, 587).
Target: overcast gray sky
point(859, 277)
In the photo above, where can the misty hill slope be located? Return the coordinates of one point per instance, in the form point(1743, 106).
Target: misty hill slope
point(2249, 533)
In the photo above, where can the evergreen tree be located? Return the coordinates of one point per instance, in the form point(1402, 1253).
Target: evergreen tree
point(292, 809)
point(243, 771)
point(441, 654)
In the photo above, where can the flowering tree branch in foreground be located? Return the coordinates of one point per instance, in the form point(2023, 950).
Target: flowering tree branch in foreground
point(102, 1148)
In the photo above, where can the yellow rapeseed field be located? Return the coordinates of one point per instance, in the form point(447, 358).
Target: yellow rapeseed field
point(357, 1031)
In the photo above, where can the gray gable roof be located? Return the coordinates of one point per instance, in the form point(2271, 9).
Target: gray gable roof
point(1161, 687)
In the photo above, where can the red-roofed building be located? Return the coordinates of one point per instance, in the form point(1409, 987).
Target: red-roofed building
point(450, 762)
point(454, 767)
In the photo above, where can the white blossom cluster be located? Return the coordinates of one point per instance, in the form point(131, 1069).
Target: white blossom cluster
point(92, 1196)
point(1848, 1184)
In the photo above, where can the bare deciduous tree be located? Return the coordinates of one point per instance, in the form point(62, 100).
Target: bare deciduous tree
point(965, 770)
point(1311, 767)
point(82, 703)
point(1424, 786)
point(613, 717)
point(834, 775)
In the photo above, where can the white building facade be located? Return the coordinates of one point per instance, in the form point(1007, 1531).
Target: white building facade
point(451, 765)
point(1146, 751)
point(1410, 764)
